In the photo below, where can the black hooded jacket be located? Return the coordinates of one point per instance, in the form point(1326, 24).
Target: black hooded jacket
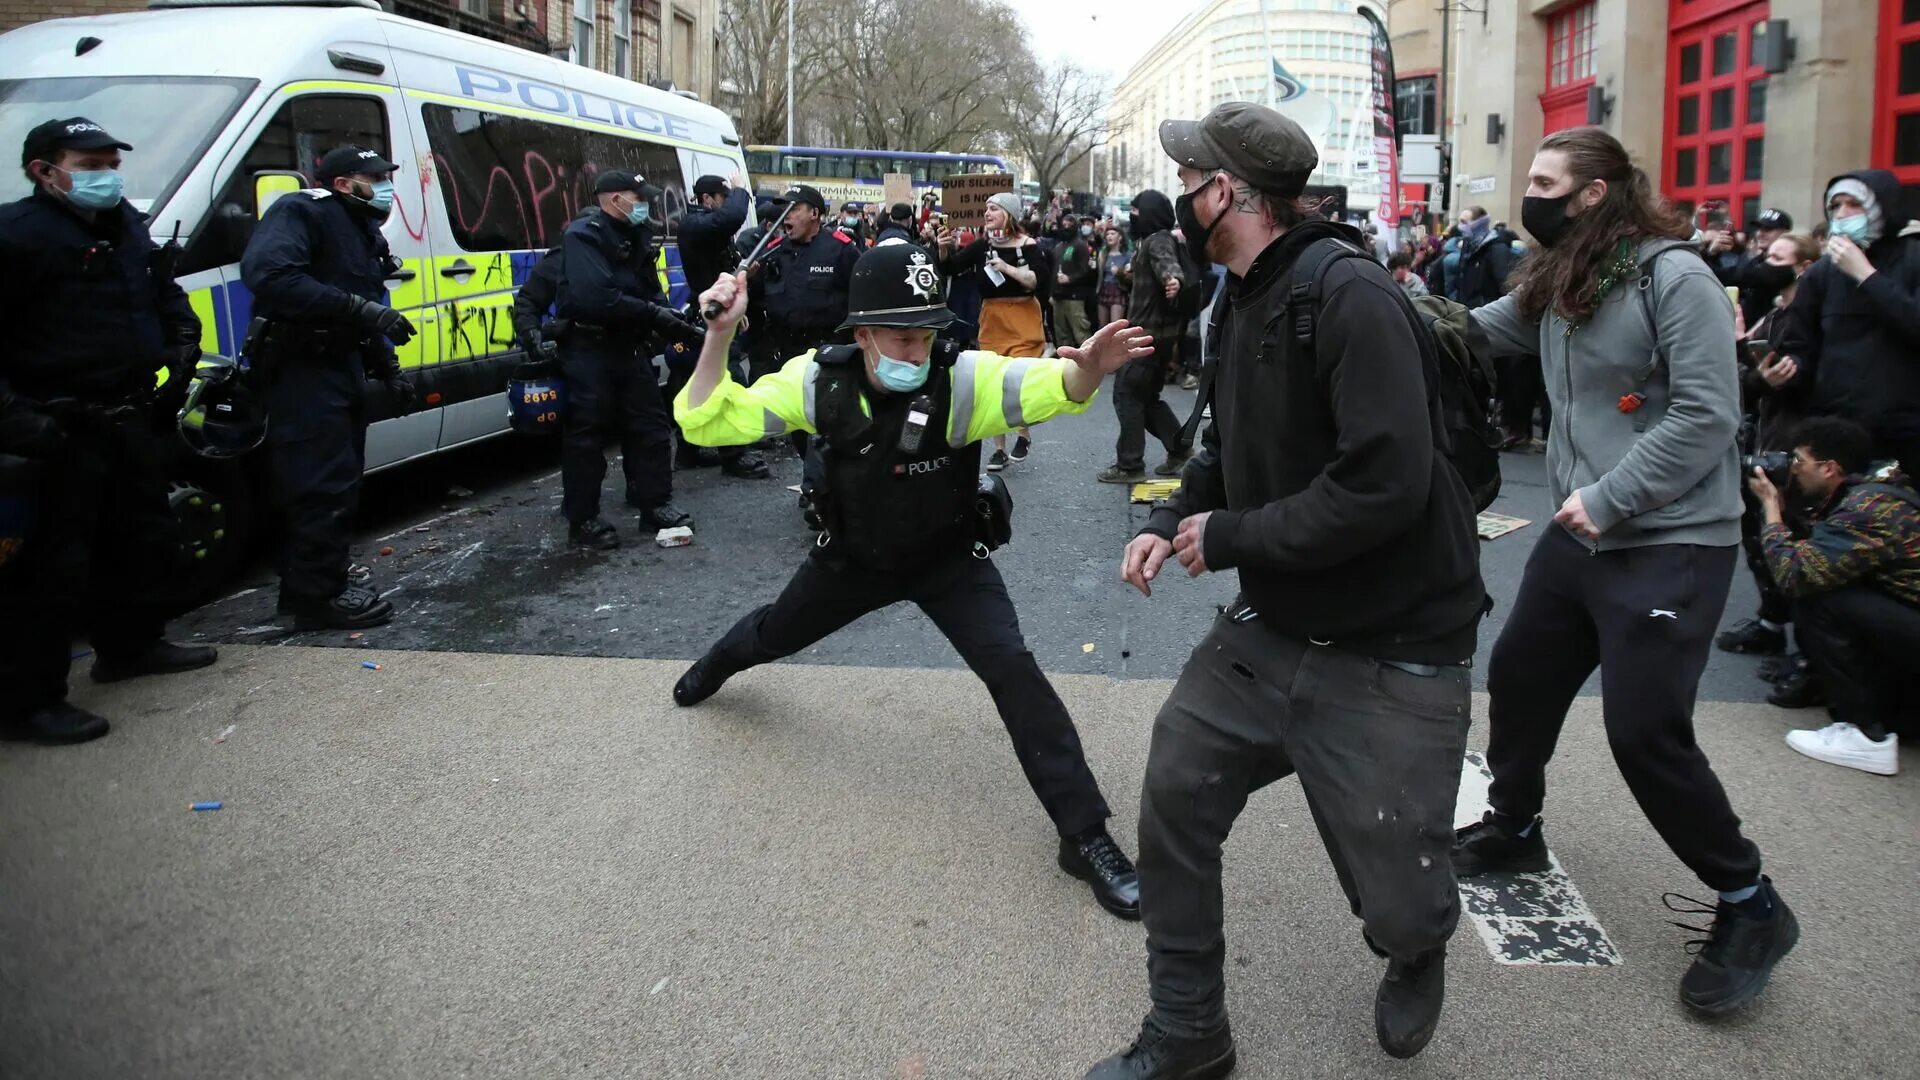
point(1858, 343)
point(1155, 259)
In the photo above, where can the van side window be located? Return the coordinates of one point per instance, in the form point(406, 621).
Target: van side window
point(299, 135)
point(513, 184)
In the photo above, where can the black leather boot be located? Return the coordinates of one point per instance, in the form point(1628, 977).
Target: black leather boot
point(160, 658)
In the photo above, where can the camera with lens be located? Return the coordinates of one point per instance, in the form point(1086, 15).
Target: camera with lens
point(1775, 463)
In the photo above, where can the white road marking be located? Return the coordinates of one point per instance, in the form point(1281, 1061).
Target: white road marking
point(1534, 919)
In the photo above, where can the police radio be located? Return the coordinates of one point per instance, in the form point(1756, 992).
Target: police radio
point(919, 411)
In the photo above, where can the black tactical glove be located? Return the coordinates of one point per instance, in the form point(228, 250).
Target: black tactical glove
point(379, 319)
point(26, 431)
point(181, 365)
point(530, 344)
point(406, 399)
point(669, 324)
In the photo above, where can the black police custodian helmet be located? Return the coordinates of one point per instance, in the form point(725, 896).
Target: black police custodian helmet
point(896, 285)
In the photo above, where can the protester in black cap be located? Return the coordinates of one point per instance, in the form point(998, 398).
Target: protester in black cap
point(707, 231)
point(902, 417)
point(92, 316)
point(803, 278)
point(318, 265)
point(1344, 658)
point(614, 298)
point(1759, 281)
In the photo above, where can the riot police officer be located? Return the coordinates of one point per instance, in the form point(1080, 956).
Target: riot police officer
point(611, 294)
point(804, 277)
point(706, 251)
point(92, 316)
point(901, 418)
point(317, 264)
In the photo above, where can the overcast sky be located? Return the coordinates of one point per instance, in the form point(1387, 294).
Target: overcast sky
point(1106, 35)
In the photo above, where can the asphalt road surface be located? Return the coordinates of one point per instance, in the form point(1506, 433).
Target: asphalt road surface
point(505, 854)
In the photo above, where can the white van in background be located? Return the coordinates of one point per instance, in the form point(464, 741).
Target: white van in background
point(230, 104)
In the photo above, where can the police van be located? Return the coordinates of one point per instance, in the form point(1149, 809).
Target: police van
point(229, 105)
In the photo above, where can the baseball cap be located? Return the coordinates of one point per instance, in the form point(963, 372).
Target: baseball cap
point(614, 180)
point(1774, 219)
point(710, 185)
point(1252, 142)
point(801, 193)
point(350, 161)
point(73, 133)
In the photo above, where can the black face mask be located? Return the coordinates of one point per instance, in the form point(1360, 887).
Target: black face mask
point(1196, 234)
point(1772, 278)
point(1546, 218)
point(1135, 228)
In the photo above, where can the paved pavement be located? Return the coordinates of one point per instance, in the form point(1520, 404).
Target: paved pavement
point(504, 854)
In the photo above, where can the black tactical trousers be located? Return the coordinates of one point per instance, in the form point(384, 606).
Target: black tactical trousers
point(317, 443)
point(1378, 750)
point(612, 390)
point(967, 599)
point(679, 375)
point(1645, 617)
point(1865, 645)
point(1136, 400)
point(98, 561)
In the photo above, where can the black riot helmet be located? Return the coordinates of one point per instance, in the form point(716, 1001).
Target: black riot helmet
point(896, 285)
point(223, 417)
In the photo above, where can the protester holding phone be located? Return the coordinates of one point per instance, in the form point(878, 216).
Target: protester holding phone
point(1015, 278)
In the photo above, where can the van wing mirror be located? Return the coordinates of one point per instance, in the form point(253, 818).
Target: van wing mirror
point(269, 186)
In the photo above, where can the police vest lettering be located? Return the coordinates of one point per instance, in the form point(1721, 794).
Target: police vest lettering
point(828, 270)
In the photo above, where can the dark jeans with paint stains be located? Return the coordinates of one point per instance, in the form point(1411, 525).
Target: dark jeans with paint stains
point(1645, 617)
point(1378, 749)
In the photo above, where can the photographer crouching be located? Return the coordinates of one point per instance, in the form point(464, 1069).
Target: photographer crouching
point(1854, 583)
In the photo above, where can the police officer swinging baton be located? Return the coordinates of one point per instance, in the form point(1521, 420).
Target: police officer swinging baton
point(713, 310)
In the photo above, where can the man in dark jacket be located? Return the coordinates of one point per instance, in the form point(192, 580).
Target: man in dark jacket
point(1345, 657)
point(1853, 329)
point(92, 315)
point(1760, 282)
point(899, 226)
point(1155, 271)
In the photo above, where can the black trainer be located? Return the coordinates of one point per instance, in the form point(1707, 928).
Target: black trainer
point(1407, 1008)
point(1158, 1054)
point(1798, 689)
point(1022, 446)
point(1735, 959)
point(1493, 845)
point(59, 724)
point(696, 457)
point(355, 608)
point(997, 462)
point(596, 533)
point(748, 466)
point(1099, 862)
point(664, 516)
point(1751, 637)
point(702, 681)
point(161, 658)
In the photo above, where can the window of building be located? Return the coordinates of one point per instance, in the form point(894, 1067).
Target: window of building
point(623, 38)
point(1896, 129)
point(682, 51)
point(1716, 111)
point(583, 53)
point(1416, 102)
point(1570, 45)
point(512, 184)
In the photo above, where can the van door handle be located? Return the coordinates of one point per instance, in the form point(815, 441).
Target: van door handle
point(402, 274)
point(457, 268)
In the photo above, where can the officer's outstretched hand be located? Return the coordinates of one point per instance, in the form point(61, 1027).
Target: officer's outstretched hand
point(1110, 346)
point(725, 304)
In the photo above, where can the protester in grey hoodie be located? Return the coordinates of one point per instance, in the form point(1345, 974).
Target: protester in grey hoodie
point(1637, 341)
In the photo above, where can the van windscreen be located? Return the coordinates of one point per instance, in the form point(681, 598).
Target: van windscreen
point(170, 122)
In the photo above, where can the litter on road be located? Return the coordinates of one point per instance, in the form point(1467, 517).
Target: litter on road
point(678, 537)
point(370, 665)
point(222, 737)
point(205, 805)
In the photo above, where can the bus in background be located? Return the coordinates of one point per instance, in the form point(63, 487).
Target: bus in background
point(857, 175)
point(1030, 193)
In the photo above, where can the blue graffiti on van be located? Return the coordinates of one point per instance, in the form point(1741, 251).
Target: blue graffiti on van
point(487, 85)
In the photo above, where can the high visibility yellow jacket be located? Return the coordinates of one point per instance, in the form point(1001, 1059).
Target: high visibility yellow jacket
point(992, 395)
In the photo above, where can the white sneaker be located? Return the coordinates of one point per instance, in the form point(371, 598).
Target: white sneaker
point(1848, 746)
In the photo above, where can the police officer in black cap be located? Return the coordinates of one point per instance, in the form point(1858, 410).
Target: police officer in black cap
point(901, 417)
point(611, 294)
point(706, 233)
point(804, 277)
point(92, 316)
point(318, 265)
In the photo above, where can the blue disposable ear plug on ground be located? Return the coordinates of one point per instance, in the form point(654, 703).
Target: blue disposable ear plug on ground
point(205, 806)
point(370, 665)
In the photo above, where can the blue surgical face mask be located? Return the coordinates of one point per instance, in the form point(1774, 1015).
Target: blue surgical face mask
point(1853, 228)
point(898, 375)
point(382, 197)
point(639, 214)
point(96, 189)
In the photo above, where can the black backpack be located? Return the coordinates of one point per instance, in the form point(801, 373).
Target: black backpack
point(1470, 435)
